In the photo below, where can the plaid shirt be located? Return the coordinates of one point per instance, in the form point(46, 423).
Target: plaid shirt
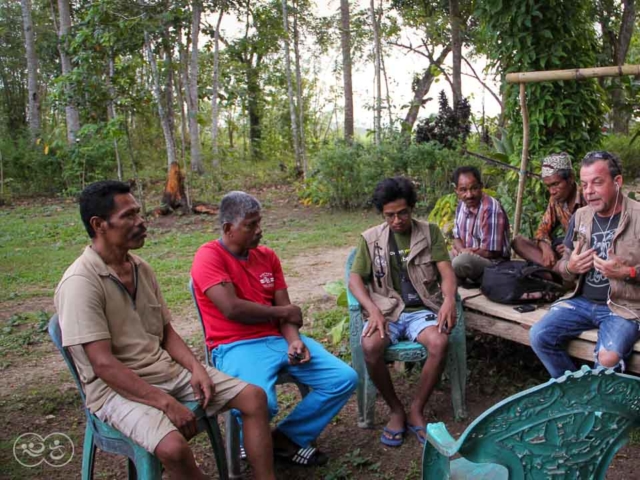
point(487, 228)
point(558, 214)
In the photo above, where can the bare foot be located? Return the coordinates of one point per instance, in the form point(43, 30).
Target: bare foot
point(395, 424)
point(417, 423)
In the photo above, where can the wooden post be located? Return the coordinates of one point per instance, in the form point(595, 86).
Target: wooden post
point(525, 158)
point(573, 74)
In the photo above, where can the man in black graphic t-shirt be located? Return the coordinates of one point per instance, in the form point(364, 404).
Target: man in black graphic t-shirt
point(596, 284)
point(602, 254)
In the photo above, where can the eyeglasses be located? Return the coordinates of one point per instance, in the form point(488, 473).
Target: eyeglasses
point(472, 188)
point(600, 155)
point(402, 215)
point(614, 162)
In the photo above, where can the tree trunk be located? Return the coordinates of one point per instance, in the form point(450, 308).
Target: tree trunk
point(345, 43)
point(621, 116)
point(174, 196)
point(215, 106)
point(296, 54)
point(32, 70)
point(164, 119)
point(292, 106)
point(421, 91)
point(253, 110)
point(169, 82)
point(456, 48)
point(387, 93)
point(71, 111)
point(182, 86)
point(111, 112)
point(378, 77)
point(194, 128)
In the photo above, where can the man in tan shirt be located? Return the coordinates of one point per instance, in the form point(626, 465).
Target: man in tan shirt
point(134, 367)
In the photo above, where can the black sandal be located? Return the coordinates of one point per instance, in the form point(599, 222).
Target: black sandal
point(303, 457)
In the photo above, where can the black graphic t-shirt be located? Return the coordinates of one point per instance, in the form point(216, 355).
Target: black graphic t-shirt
point(596, 285)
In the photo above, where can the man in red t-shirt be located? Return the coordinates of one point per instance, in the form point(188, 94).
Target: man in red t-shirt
point(253, 329)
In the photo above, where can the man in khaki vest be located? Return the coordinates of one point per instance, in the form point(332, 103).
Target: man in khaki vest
point(602, 254)
point(135, 369)
point(402, 277)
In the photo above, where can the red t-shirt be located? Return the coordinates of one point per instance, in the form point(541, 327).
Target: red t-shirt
point(255, 279)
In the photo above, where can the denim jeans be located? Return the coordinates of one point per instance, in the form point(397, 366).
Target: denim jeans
point(569, 318)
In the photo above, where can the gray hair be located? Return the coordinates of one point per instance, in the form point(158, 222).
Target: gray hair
point(236, 205)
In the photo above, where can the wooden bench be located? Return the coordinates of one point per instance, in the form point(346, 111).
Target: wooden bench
point(503, 321)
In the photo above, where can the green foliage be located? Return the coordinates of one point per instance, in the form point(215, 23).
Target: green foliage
point(22, 331)
point(338, 326)
point(443, 213)
point(345, 176)
point(521, 36)
point(450, 127)
point(628, 149)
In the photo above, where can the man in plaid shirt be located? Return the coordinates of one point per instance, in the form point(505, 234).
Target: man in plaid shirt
point(481, 229)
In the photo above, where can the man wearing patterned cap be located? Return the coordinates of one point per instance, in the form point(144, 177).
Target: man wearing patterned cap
point(565, 198)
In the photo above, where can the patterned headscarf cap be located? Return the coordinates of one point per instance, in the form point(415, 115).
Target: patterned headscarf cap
point(554, 163)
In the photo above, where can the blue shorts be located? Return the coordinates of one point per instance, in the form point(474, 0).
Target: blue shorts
point(410, 324)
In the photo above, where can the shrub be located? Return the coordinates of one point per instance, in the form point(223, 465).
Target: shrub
point(345, 176)
point(627, 150)
point(449, 127)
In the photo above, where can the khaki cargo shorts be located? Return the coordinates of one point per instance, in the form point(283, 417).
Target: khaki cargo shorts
point(147, 425)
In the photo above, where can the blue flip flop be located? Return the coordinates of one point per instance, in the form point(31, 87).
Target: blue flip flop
point(416, 431)
point(393, 441)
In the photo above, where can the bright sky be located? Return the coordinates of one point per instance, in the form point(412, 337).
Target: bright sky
point(401, 66)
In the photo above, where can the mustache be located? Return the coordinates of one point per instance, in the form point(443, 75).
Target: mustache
point(139, 232)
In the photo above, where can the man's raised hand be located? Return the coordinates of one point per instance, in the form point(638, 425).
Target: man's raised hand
point(580, 262)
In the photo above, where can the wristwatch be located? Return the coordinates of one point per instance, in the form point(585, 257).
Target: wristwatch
point(633, 275)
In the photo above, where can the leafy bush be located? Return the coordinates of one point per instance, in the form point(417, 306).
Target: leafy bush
point(627, 150)
point(449, 127)
point(345, 176)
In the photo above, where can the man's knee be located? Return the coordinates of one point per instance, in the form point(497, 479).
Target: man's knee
point(173, 449)
point(608, 359)
point(436, 344)
point(373, 348)
point(459, 265)
point(537, 337)
point(519, 243)
point(350, 379)
point(464, 266)
point(253, 401)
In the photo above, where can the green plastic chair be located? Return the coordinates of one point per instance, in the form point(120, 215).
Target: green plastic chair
point(567, 428)
point(404, 351)
point(232, 427)
point(142, 465)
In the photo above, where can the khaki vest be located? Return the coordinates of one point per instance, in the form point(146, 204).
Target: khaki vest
point(422, 271)
point(624, 297)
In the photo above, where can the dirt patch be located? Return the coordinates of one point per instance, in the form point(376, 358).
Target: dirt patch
point(33, 304)
point(307, 274)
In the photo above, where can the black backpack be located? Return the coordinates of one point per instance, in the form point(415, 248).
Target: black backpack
point(508, 282)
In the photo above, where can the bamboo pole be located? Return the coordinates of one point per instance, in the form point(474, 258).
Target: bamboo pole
point(573, 74)
point(525, 158)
